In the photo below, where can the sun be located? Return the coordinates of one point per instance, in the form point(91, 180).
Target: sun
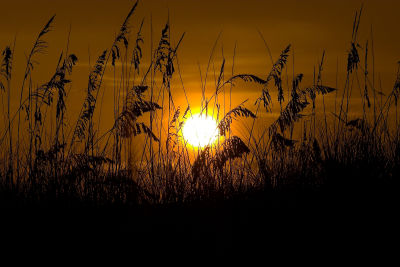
point(200, 130)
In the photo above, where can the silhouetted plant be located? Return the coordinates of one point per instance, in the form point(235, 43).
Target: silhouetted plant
point(225, 123)
point(102, 171)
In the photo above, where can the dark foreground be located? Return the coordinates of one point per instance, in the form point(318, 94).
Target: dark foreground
point(306, 221)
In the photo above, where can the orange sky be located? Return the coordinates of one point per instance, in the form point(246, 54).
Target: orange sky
point(311, 26)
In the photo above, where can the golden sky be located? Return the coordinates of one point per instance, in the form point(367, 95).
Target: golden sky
point(311, 26)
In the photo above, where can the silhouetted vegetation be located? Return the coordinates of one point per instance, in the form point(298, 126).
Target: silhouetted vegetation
point(339, 159)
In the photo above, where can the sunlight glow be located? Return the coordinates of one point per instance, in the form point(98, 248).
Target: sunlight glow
point(200, 131)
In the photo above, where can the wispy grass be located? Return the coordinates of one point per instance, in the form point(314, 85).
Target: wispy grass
point(96, 168)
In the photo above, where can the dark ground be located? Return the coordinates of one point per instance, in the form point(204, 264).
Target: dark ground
point(308, 222)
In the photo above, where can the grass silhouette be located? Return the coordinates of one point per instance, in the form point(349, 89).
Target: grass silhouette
point(338, 163)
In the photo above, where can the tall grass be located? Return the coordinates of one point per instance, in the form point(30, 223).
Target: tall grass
point(103, 168)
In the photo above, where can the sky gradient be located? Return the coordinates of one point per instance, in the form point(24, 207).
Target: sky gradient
point(310, 26)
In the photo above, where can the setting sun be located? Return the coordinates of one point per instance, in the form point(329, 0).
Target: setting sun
point(228, 126)
point(200, 130)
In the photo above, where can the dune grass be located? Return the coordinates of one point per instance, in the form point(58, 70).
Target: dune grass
point(335, 153)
